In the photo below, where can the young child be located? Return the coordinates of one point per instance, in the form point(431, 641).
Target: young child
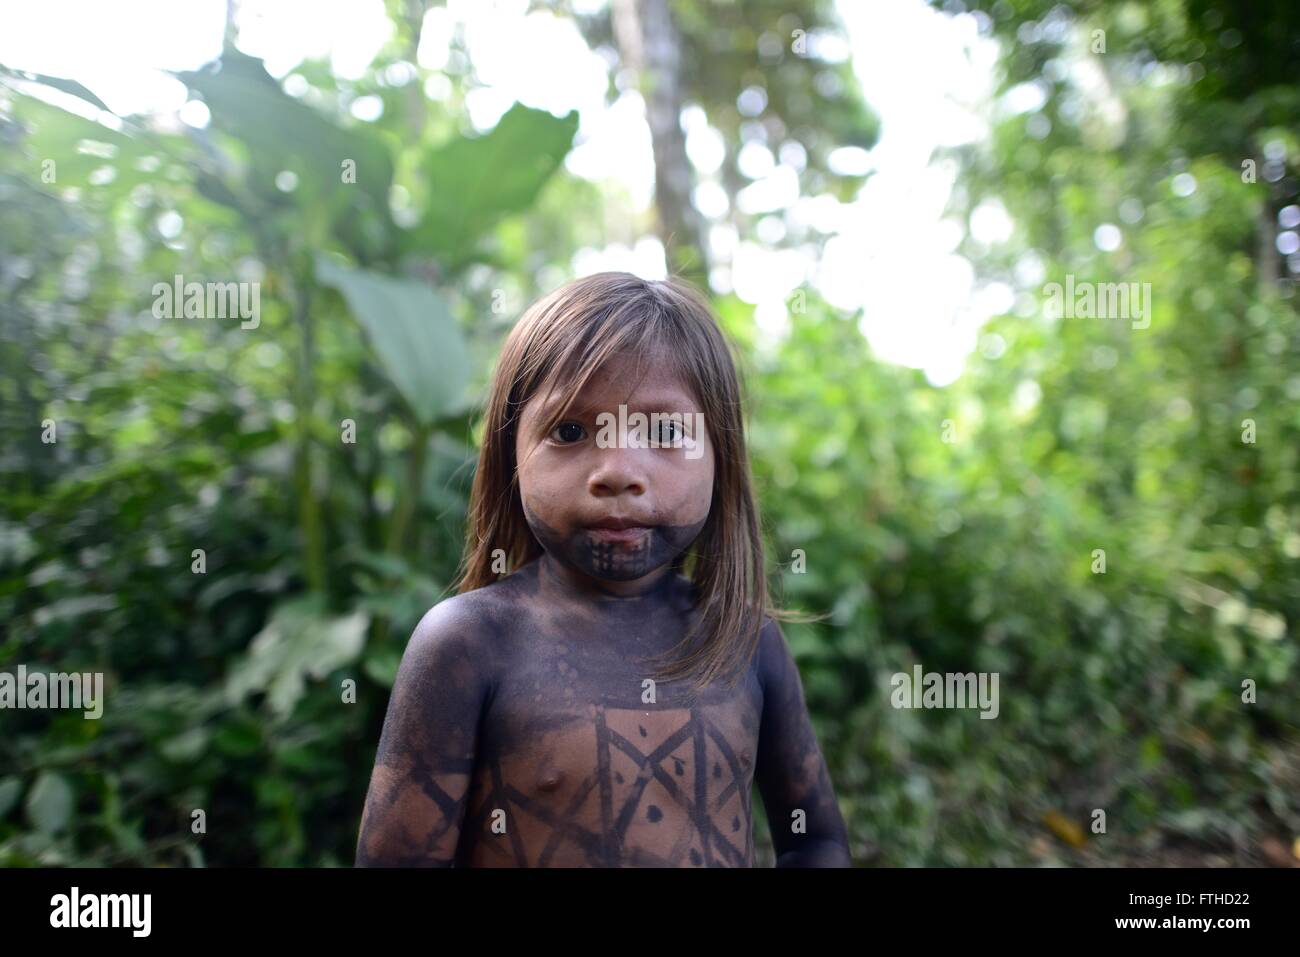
point(596, 706)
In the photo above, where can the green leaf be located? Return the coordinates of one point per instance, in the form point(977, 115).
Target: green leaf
point(300, 641)
point(381, 666)
point(10, 789)
point(79, 147)
point(475, 181)
point(185, 746)
point(50, 803)
point(413, 334)
point(237, 739)
point(281, 133)
point(71, 87)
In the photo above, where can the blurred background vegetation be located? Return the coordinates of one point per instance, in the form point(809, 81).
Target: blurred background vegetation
point(948, 520)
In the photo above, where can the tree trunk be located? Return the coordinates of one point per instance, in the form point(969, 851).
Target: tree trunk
point(648, 43)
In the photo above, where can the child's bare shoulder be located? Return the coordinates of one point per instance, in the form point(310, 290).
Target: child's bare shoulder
point(471, 624)
point(771, 648)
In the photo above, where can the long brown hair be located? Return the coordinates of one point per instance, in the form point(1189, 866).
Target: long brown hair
point(557, 345)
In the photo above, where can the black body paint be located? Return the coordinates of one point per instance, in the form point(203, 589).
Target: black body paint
point(520, 734)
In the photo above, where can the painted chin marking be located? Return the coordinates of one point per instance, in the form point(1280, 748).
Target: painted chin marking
point(617, 557)
point(622, 556)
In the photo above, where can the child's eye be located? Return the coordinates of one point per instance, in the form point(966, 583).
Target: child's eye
point(670, 430)
point(566, 432)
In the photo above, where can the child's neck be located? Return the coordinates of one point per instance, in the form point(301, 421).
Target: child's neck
point(575, 585)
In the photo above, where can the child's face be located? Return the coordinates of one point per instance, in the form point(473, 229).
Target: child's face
point(569, 482)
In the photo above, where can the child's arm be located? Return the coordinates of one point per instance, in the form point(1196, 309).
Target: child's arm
point(791, 772)
point(422, 772)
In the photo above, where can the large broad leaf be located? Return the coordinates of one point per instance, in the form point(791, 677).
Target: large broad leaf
point(474, 182)
point(413, 334)
point(63, 84)
point(50, 803)
point(82, 150)
point(299, 641)
point(11, 788)
point(281, 133)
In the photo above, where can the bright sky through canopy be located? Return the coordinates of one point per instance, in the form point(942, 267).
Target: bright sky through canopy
point(929, 77)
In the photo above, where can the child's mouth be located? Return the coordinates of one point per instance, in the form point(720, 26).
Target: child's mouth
point(622, 535)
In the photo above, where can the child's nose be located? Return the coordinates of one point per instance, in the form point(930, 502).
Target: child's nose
point(618, 470)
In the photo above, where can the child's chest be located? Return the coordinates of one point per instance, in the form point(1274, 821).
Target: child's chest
point(586, 760)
